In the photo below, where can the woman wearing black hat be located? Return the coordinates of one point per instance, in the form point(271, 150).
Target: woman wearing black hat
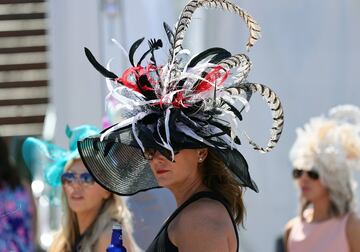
point(179, 127)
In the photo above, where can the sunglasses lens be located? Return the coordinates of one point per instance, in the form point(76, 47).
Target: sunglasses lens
point(67, 177)
point(313, 174)
point(86, 178)
point(297, 173)
point(149, 153)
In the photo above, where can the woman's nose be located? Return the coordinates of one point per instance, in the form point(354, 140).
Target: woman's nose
point(76, 184)
point(304, 178)
point(159, 157)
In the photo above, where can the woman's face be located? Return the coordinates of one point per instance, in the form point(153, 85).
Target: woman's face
point(83, 197)
point(185, 168)
point(311, 188)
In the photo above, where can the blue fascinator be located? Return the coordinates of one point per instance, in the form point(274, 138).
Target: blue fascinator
point(51, 158)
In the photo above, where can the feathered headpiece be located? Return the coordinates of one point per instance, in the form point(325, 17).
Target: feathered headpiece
point(51, 158)
point(331, 145)
point(185, 103)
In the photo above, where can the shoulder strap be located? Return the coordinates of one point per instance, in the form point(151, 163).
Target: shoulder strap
point(196, 197)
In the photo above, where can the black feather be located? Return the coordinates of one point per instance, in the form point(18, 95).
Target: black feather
point(224, 128)
point(98, 66)
point(233, 109)
point(211, 51)
point(220, 56)
point(169, 33)
point(153, 45)
point(143, 56)
point(133, 48)
point(141, 83)
point(237, 140)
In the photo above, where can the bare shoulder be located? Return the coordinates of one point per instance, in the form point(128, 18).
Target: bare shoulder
point(288, 227)
point(353, 223)
point(353, 231)
point(199, 225)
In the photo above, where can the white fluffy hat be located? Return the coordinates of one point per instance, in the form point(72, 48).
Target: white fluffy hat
point(331, 145)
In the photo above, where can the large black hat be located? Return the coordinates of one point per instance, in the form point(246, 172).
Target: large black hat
point(186, 103)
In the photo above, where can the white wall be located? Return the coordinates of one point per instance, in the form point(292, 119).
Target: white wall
point(76, 89)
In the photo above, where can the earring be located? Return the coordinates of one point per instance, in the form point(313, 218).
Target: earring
point(200, 159)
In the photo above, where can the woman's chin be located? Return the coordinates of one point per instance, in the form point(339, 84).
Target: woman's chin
point(164, 182)
point(77, 206)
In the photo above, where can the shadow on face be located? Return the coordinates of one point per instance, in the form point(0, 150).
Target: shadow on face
point(186, 167)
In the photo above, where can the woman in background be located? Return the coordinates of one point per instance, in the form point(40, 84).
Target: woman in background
point(89, 210)
point(323, 156)
point(17, 207)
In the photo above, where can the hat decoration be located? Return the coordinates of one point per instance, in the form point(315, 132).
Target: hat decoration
point(52, 159)
point(189, 102)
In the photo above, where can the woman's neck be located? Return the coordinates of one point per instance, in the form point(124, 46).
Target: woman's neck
point(85, 219)
point(321, 210)
point(187, 189)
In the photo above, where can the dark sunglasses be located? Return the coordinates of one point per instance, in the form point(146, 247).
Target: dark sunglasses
point(297, 173)
point(82, 178)
point(149, 153)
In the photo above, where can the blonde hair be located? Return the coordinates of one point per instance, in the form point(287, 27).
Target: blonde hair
point(112, 209)
point(218, 178)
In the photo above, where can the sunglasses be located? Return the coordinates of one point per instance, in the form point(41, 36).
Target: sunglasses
point(297, 173)
point(82, 178)
point(149, 153)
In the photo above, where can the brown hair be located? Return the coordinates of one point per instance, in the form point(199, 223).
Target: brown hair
point(218, 178)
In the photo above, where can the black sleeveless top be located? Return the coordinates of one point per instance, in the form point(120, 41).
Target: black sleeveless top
point(162, 243)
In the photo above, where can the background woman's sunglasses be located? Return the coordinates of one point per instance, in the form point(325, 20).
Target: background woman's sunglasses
point(297, 173)
point(82, 178)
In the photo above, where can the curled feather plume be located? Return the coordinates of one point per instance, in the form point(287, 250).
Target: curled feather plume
point(188, 102)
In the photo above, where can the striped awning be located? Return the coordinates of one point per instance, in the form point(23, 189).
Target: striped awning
point(24, 94)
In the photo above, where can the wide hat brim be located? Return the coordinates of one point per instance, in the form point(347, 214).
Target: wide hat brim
point(118, 163)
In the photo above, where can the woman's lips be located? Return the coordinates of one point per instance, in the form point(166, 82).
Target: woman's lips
point(76, 197)
point(305, 189)
point(159, 172)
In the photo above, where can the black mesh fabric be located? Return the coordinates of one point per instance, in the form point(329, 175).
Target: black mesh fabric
point(123, 171)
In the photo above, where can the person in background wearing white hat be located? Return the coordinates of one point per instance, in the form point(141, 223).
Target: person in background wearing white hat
point(323, 156)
